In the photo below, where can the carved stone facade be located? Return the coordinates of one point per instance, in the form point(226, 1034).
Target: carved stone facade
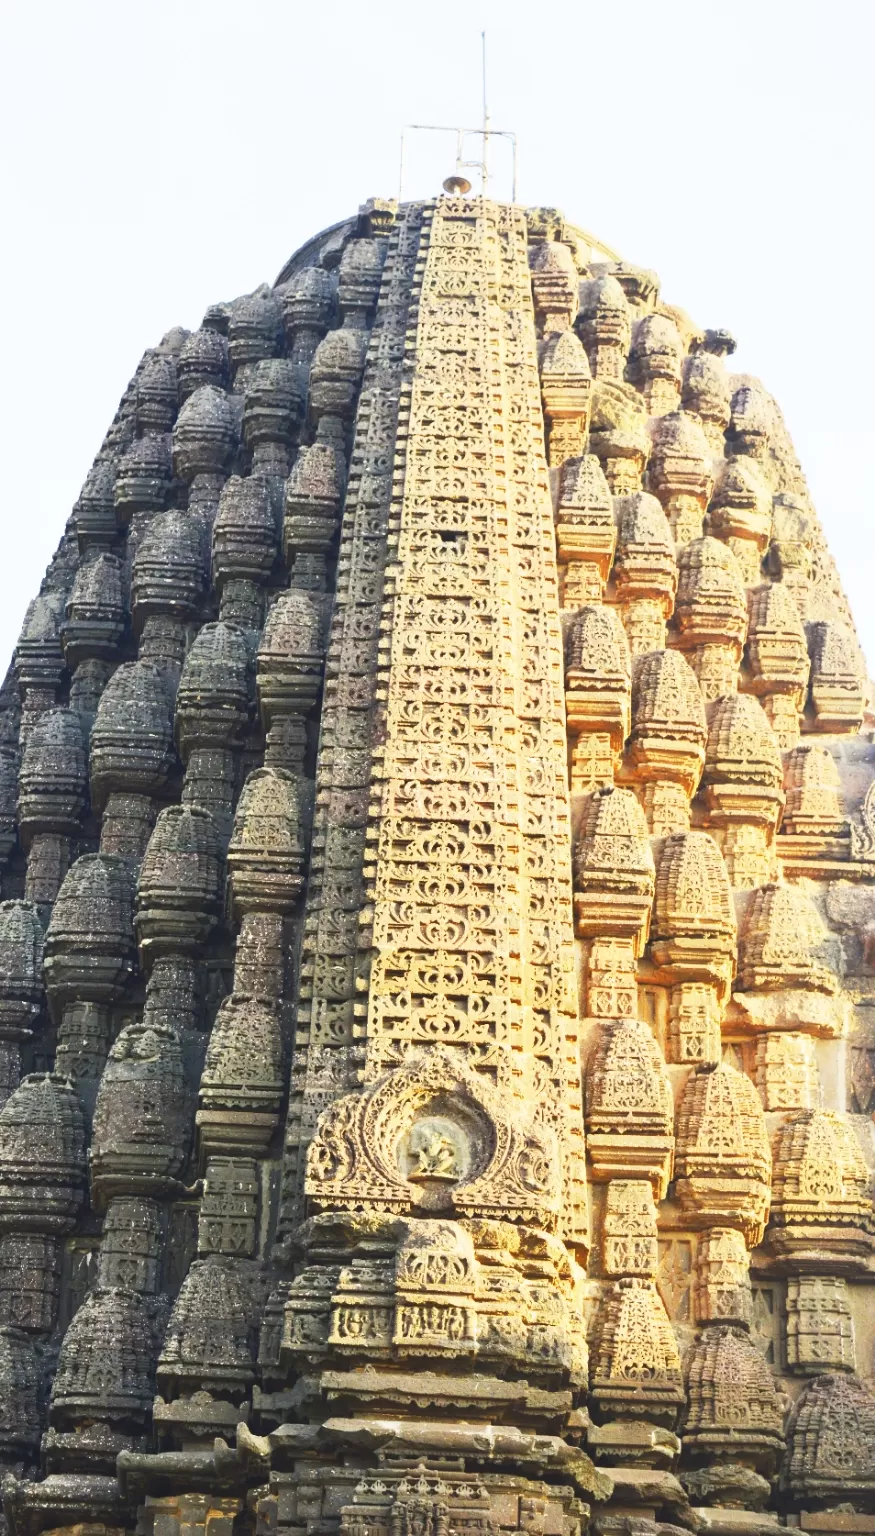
point(437, 1015)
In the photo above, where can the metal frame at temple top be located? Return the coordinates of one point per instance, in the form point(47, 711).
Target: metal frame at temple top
point(482, 165)
point(485, 133)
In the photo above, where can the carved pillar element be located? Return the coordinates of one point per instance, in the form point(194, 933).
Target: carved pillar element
point(788, 991)
point(790, 558)
point(604, 326)
point(729, 1384)
point(629, 1107)
point(203, 360)
point(266, 861)
point(693, 942)
point(786, 1072)
point(666, 749)
point(820, 1331)
point(741, 788)
point(94, 513)
point(289, 668)
point(555, 286)
point(245, 547)
point(156, 392)
point(89, 958)
point(618, 434)
point(830, 1434)
point(178, 897)
point(272, 407)
point(752, 425)
point(706, 394)
point(358, 280)
point(21, 1405)
point(777, 658)
point(39, 658)
point(585, 531)
point(335, 377)
point(144, 486)
point(313, 499)
point(710, 618)
point(680, 473)
point(655, 363)
point(255, 332)
point(309, 301)
point(92, 632)
point(213, 708)
point(722, 1291)
point(566, 387)
point(21, 988)
point(53, 786)
point(597, 695)
point(614, 880)
point(42, 1188)
point(636, 1364)
point(838, 678)
point(644, 572)
point(132, 756)
point(723, 1164)
point(740, 513)
point(205, 440)
point(821, 1208)
point(811, 780)
point(169, 581)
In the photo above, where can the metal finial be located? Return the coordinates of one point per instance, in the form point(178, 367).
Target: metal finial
point(459, 184)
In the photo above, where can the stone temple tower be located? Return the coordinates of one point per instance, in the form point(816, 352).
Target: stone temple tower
point(437, 946)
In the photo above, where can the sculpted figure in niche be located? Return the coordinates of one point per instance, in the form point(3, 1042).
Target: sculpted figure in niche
point(433, 1152)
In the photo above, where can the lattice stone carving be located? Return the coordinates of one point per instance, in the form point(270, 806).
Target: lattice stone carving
point(722, 1288)
point(820, 1333)
point(630, 1244)
point(786, 1072)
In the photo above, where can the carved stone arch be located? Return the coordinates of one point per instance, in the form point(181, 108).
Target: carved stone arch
point(434, 1136)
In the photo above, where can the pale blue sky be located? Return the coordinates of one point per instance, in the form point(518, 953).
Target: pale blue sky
point(163, 154)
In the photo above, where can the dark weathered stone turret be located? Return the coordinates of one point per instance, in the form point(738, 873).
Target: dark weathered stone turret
point(89, 958)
